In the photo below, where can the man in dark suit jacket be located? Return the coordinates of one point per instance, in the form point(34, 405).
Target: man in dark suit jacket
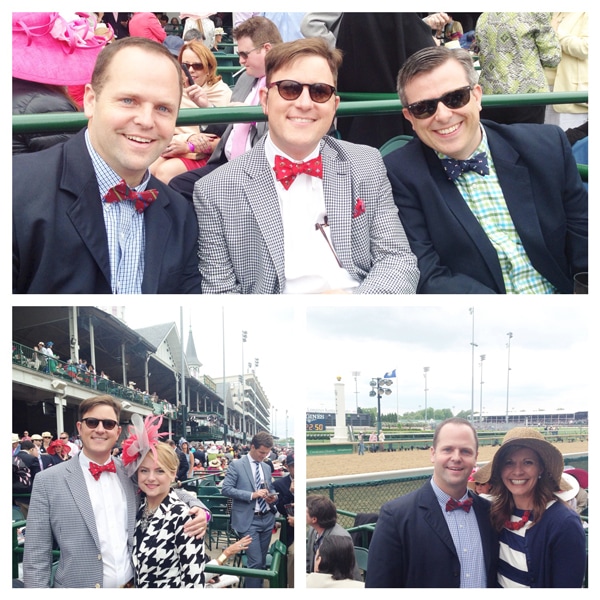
point(255, 37)
point(417, 544)
point(522, 227)
point(119, 22)
point(67, 238)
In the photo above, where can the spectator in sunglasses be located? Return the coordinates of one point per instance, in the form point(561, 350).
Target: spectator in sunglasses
point(86, 508)
point(302, 212)
point(488, 208)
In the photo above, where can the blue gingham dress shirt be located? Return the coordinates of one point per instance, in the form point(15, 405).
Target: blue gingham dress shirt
point(467, 541)
point(124, 229)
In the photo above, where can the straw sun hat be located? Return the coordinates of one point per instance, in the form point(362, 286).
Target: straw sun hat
point(552, 459)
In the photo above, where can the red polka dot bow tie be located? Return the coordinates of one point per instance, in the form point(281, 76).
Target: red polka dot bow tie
point(97, 470)
point(453, 504)
point(286, 171)
point(454, 168)
point(121, 192)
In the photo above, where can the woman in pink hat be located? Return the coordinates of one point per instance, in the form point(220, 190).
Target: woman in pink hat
point(49, 54)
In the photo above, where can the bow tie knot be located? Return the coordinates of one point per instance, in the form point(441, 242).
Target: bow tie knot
point(286, 171)
point(454, 168)
point(97, 470)
point(453, 504)
point(122, 191)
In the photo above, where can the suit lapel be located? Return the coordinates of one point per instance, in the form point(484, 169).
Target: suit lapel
point(337, 192)
point(455, 202)
point(75, 481)
point(157, 230)
point(79, 179)
point(262, 197)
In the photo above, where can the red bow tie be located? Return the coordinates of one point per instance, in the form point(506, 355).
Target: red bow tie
point(96, 470)
point(453, 504)
point(122, 192)
point(286, 170)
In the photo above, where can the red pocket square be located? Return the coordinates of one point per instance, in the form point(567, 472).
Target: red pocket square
point(359, 208)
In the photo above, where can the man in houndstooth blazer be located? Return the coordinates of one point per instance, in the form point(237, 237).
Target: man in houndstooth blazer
point(259, 236)
point(72, 511)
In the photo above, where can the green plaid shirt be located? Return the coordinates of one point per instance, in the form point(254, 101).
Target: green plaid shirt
point(484, 197)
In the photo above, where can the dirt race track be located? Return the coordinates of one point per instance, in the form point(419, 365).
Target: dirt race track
point(371, 462)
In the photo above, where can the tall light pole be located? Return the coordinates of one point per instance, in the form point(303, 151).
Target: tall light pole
point(473, 345)
point(425, 371)
point(244, 338)
point(377, 389)
point(482, 358)
point(356, 374)
point(509, 334)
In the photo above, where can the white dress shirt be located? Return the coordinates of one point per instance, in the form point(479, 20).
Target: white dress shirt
point(110, 512)
point(311, 265)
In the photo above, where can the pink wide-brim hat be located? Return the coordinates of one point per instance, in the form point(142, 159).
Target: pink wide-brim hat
point(48, 48)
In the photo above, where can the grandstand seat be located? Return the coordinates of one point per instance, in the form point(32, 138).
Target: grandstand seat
point(362, 558)
point(394, 143)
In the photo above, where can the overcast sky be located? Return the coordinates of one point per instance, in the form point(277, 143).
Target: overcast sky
point(549, 355)
point(270, 336)
point(302, 349)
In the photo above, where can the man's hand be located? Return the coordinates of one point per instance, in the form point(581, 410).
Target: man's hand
point(196, 527)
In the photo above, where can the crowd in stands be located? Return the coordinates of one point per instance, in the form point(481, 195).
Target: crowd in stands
point(213, 249)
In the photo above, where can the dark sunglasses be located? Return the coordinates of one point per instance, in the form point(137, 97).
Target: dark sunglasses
point(195, 66)
point(453, 100)
point(291, 90)
point(92, 423)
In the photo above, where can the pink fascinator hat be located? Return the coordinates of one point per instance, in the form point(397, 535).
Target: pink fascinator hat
point(143, 437)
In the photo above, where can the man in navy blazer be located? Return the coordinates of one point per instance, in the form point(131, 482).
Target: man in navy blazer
point(252, 510)
point(421, 542)
point(67, 238)
point(516, 225)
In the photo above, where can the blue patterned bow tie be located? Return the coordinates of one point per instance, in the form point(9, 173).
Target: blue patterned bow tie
point(454, 167)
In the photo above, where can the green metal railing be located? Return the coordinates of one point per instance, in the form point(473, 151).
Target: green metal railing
point(353, 104)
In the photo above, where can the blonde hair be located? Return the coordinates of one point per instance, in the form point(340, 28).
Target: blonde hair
point(166, 457)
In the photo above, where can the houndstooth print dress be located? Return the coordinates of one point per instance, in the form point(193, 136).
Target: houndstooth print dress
point(163, 555)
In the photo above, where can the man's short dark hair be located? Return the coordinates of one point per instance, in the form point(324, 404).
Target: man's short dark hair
point(109, 51)
point(284, 54)
point(322, 509)
point(262, 438)
point(27, 445)
point(455, 421)
point(430, 58)
point(89, 403)
point(260, 30)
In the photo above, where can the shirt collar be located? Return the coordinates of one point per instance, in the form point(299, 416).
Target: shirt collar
point(482, 147)
point(105, 176)
point(271, 150)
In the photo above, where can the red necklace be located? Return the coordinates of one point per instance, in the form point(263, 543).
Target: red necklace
point(514, 525)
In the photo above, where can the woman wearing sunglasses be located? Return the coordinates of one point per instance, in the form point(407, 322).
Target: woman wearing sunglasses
point(192, 145)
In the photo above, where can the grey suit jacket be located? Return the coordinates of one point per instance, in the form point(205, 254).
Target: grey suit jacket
point(241, 90)
point(61, 510)
point(239, 484)
point(241, 245)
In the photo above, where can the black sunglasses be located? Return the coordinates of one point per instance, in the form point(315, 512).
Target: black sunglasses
point(453, 100)
point(195, 66)
point(291, 90)
point(92, 423)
